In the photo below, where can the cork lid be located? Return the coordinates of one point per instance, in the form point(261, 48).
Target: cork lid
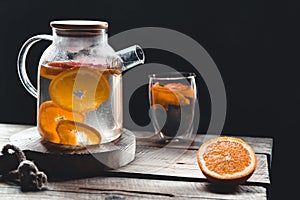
point(79, 25)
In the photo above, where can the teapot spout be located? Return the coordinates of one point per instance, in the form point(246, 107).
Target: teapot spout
point(132, 56)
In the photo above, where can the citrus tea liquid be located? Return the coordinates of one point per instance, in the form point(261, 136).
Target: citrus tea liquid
point(173, 108)
point(79, 104)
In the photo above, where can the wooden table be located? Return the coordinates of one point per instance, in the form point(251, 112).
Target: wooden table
point(156, 173)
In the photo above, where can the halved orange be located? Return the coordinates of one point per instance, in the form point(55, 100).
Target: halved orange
point(76, 133)
point(228, 160)
point(49, 116)
point(52, 69)
point(79, 89)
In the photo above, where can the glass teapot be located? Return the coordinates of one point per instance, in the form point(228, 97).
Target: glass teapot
point(79, 90)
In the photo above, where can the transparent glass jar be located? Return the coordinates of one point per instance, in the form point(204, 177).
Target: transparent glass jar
point(79, 90)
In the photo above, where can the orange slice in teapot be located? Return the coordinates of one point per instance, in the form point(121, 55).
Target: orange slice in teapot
point(76, 133)
point(50, 115)
point(79, 89)
point(52, 69)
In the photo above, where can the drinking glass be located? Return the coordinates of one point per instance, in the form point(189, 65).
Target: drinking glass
point(172, 99)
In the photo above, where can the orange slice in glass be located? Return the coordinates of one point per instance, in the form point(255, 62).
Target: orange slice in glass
point(170, 95)
point(76, 133)
point(49, 116)
point(227, 160)
point(185, 90)
point(80, 89)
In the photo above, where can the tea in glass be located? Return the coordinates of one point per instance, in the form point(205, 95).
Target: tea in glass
point(172, 101)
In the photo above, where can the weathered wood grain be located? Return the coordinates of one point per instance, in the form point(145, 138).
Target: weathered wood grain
point(171, 172)
point(57, 160)
point(182, 164)
point(131, 188)
point(151, 159)
point(122, 149)
point(6, 130)
point(260, 145)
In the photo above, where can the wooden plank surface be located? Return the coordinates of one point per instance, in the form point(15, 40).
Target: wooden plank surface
point(129, 188)
point(167, 173)
point(6, 130)
point(182, 164)
point(260, 145)
point(175, 161)
point(122, 150)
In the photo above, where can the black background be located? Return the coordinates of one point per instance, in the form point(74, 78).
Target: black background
point(254, 43)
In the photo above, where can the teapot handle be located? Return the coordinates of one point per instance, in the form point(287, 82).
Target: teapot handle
point(22, 60)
